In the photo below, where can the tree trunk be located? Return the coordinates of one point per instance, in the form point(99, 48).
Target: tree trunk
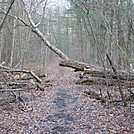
point(105, 81)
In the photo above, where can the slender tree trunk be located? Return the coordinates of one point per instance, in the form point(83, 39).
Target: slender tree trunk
point(121, 39)
point(13, 43)
point(130, 27)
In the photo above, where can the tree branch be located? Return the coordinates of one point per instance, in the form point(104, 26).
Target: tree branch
point(15, 17)
point(11, 90)
point(12, 2)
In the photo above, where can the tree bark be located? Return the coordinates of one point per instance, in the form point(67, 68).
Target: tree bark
point(78, 66)
point(24, 71)
point(103, 81)
point(12, 90)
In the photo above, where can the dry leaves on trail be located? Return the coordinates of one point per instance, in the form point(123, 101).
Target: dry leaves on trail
point(64, 108)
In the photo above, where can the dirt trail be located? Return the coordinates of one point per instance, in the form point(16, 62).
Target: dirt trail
point(64, 109)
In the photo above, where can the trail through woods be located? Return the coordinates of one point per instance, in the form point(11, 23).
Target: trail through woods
point(63, 108)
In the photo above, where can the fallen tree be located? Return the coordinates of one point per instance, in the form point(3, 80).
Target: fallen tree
point(7, 69)
point(115, 76)
point(13, 85)
point(67, 62)
point(12, 90)
point(105, 81)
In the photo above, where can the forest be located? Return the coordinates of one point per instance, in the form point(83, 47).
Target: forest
point(66, 66)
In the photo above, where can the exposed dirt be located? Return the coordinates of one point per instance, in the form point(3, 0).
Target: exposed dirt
point(64, 108)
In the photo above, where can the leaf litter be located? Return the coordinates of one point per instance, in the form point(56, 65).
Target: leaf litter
point(63, 109)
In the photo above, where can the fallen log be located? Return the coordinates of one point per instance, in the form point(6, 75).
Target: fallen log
point(103, 81)
point(109, 74)
point(31, 77)
point(12, 90)
point(78, 66)
point(97, 71)
point(95, 95)
point(35, 76)
point(14, 83)
point(7, 69)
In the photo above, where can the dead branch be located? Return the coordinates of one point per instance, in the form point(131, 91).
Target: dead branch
point(12, 90)
point(14, 83)
point(4, 67)
point(95, 95)
point(35, 76)
point(118, 78)
point(78, 66)
point(123, 74)
point(31, 77)
point(40, 86)
point(104, 81)
point(24, 71)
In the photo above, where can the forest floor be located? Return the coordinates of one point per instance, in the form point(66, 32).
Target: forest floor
point(64, 109)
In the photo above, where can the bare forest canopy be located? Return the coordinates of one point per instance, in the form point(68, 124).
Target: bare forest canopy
point(82, 29)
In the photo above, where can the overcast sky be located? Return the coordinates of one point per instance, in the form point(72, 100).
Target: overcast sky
point(59, 3)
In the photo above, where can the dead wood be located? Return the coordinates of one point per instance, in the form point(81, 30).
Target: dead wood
point(39, 86)
point(14, 83)
point(4, 67)
point(130, 91)
point(97, 71)
point(123, 75)
point(30, 77)
point(7, 69)
point(129, 98)
point(103, 81)
point(35, 76)
point(78, 66)
point(118, 79)
point(95, 95)
point(12, 90)
point(28, 71)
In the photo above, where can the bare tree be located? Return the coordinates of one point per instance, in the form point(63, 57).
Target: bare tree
point(12, 2)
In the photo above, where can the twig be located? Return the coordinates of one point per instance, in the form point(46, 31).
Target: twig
point(15, 17)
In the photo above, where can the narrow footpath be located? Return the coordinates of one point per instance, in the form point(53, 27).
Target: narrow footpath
point(64, 109)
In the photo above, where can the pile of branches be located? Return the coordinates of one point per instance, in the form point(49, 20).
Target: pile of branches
point(122, 79)
point(14, 81)
point(92, 74)
point(107, 77)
